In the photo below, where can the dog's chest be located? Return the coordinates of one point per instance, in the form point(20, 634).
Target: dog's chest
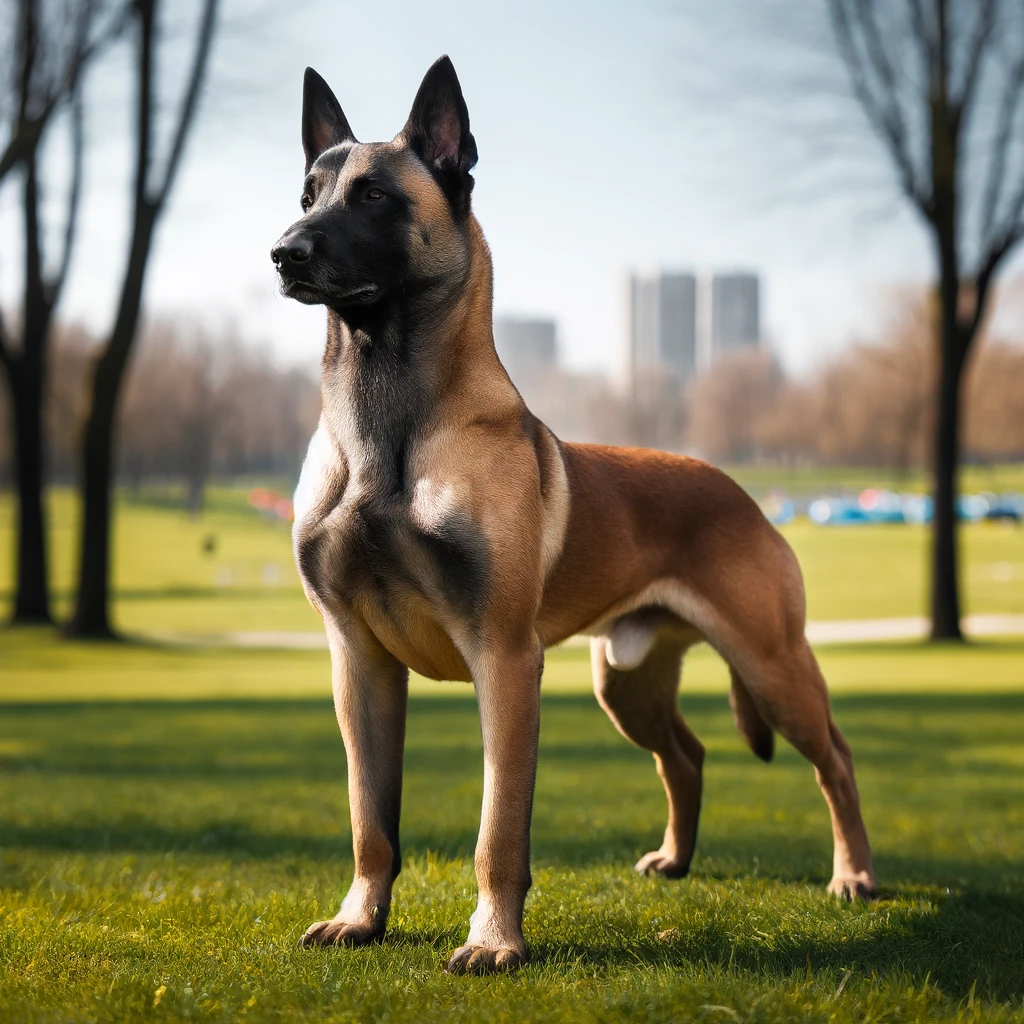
point(405, 554)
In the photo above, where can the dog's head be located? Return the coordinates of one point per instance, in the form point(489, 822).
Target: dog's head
point(381, 221)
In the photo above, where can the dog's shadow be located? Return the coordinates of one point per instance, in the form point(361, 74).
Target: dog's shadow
point(958, 943)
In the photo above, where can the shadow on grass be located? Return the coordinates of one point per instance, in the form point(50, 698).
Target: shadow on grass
point(964, 942)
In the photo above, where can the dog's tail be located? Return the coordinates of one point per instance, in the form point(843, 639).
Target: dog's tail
point(754, 729)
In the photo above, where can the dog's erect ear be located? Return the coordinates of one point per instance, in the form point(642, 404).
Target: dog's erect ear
point(438, 132)
point(323, 121)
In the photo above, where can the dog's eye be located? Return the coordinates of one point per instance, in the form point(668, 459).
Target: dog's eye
point(306, 201)
point(374, 193)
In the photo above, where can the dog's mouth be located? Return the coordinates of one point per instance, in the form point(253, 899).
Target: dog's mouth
point(312, 294)
point(364, 295)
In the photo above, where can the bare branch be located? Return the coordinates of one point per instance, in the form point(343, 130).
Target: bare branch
point(144, 9)
point(924, 34)
point(982, 283)
point(186, 114)
point(883, 112)
point(1008, 105)
point(28, 44)
point(982, 32)
point(34, 112)
point(55, 287)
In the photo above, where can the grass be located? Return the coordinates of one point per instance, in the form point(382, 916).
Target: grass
point(172, 817)
point(166, 579)
point(158, 860)
point(812, 481)
point(37, 667)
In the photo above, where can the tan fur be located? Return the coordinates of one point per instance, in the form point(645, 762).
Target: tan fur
point(647, 551)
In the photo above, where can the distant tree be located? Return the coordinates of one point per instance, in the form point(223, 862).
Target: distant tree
point(942, 84)
point(730, 404)
point(873, 400)
point(153, 180)
point(47, 55)
point(995, 404)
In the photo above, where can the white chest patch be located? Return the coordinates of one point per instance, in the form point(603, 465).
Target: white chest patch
point(432, 502)
point(319, 462)
point(556, 508)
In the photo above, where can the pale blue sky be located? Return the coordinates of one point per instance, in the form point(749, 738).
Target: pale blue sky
point(611, 136)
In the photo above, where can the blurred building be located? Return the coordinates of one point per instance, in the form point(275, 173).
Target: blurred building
point(735, 313)
point(526, 348)
point(662, 327)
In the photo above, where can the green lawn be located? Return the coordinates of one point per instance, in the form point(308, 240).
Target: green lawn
point(172, 817)
point(159, 858)
point(167, 581)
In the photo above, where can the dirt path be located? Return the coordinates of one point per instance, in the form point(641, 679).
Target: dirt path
point(848, 631)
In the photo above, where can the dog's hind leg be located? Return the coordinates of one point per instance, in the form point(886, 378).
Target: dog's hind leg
point(790, 696)
point(641, 702)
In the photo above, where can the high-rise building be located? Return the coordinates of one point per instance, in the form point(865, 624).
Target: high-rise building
point(735, 313)
point(526, 347)
point(663, 326)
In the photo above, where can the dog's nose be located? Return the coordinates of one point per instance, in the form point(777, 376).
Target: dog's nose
point(296, 249)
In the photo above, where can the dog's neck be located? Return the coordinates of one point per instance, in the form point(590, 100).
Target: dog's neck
point(389, 370)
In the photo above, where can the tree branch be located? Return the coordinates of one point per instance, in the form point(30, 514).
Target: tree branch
point(997, 169)
point(983, 29)
point(982, 283)
point(28, 44)
point(186, 114)
point(29, 125)
point(884, 116)
point(54, 287)
point(144, 114)
point(924, 35)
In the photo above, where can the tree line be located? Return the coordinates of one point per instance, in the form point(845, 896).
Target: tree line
point(197, 404)
point(871, 404)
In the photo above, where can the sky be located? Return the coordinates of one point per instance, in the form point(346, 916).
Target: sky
point(694, 135)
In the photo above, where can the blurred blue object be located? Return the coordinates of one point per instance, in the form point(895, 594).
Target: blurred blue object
point(837, 512)
point(878, 506)
point(972, 507)
point(1007, 507)
point(778, 509)
point(917, 508)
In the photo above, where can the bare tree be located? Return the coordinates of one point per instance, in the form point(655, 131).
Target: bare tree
point(152, 187)
point(942, 84)
point(51, 48)
point(731, 403)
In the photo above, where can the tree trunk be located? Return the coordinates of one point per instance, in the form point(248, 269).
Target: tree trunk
point(92, 608)
point(31, 602)
point(945, 603)
point(27, 378)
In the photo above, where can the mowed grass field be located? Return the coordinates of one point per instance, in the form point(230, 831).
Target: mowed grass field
point(172, 817)
point(231, 569)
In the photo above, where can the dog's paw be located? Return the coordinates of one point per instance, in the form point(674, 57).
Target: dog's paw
point(484, 960)
point(338, 933)
point(657, 862)
point(853, 888)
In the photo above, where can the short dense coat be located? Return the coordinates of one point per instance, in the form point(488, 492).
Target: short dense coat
point(439, 526)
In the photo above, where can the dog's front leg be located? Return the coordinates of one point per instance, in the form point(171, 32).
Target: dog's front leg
point(370, 698)
point(508, 692)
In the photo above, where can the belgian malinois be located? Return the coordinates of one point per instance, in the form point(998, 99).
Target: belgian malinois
point(439, 526)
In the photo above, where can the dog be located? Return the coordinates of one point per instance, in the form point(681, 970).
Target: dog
point(441, 527)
